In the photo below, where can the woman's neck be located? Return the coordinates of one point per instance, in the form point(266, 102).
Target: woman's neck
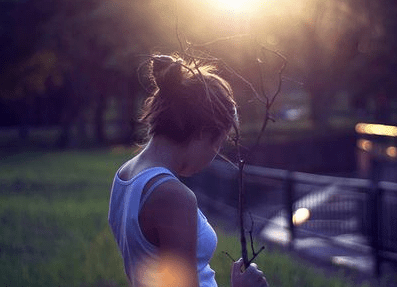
point(164, 152)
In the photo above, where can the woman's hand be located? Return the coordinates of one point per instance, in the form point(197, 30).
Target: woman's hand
point(251, 277)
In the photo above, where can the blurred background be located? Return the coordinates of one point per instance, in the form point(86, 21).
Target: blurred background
point(70, 68)
point(71, 81)
point(70, 72)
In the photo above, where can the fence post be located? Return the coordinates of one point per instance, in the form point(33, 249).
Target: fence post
point(289, 204)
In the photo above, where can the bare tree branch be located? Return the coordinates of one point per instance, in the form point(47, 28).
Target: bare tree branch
point(220, 39)
point(254, 254)
point(190, 51)
point(269, 102)
point(228, 255)
point(241, 209)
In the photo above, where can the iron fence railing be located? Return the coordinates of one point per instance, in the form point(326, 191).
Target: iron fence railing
point(358, 213)
point(341, 206)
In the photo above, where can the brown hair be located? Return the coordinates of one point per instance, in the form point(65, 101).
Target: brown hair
point(187, 100)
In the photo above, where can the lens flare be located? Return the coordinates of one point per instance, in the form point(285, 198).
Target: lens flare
point(171, 271)
point(376, 129)
point(365, 145)
point(391, 151)
point(301, 216)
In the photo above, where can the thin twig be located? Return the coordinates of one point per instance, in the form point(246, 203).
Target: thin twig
point(241, 209)
point(250, 233)
point(228, 255)
point(248, 83)
point(269, 102)
point(268, 105)
point(227, 160)
point(189, 52)
point(262, 86)
point(254, 254)
point(280, 72)
point(230, 70)
point(220, 39)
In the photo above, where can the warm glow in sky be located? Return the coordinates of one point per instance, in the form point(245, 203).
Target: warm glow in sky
point(233, 5)
point(252, 6)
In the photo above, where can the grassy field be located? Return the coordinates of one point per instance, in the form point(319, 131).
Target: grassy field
point(53, 212)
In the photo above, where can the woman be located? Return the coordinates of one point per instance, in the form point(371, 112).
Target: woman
point(163, 237)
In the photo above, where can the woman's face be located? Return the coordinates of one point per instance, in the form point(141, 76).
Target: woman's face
point(202, 151)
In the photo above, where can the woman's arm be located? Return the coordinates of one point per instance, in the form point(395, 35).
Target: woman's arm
point(173, 209)
point(172, 212)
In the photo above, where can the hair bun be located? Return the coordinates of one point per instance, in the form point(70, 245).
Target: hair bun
point(166, 71)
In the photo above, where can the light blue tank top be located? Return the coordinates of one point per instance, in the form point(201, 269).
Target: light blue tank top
point(138, 253)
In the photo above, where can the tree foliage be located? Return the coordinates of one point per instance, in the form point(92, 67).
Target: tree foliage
point(88, 52)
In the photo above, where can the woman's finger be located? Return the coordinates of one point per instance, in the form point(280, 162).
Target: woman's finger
point(237, 266)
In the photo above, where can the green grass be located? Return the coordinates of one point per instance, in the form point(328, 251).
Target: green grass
point(53, 212)
point(54, 232)
point(280, 268)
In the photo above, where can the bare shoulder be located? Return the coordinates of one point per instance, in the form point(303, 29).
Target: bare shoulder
point(174, 193)
point(169, 216)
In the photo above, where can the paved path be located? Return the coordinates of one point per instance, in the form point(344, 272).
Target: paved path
point(350, 250)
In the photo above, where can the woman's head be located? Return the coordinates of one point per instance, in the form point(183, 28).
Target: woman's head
point(188, 101)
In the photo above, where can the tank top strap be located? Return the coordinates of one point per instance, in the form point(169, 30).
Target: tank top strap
point(159, 181)
point(133, 200)
point(144, 177)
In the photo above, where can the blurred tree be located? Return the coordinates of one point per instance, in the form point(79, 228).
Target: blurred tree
point(79, 48)
point(332, 46)
point(18, 60)
point(83, 54)
point(86, 39)
point(374, 76)
point(331, 41)
point(361, 59)
point(6, 33)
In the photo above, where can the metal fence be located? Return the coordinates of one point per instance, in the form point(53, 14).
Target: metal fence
point(353, 213)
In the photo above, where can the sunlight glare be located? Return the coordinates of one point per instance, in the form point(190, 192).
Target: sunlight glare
point(376, 129)
point(171, 271)
point(301, 216)
point(236, 6)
